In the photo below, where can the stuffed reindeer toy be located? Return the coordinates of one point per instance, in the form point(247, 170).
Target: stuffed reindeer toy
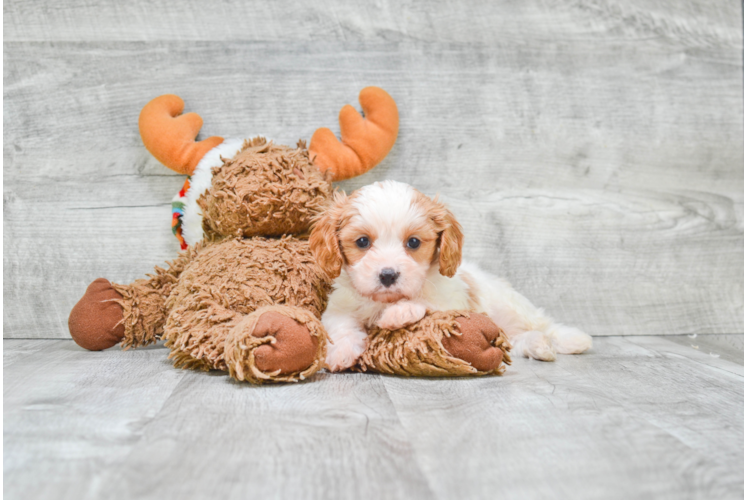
point(246, 295)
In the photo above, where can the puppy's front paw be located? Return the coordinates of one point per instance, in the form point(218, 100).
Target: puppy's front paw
point(401, 314)
point(345, 351)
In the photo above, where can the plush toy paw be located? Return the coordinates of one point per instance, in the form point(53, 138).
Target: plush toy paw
point(96, 321)
point(476, 342)
point(294, 348)
point(276, 343)
point(401, 314)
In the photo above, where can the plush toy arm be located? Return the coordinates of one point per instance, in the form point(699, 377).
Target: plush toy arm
point(132, 314)
point(444, 343)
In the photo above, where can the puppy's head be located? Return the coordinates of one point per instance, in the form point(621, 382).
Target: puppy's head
point(387, 236)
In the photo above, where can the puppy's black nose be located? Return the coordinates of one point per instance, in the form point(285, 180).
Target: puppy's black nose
point(388, 276)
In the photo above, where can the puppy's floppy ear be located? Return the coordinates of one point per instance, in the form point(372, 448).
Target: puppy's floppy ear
point(324, 238)
point(450, 238)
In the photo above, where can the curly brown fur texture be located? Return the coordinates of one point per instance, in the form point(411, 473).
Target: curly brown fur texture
point(229, 279)
point(417, 350)
point(265, 190)
point(144, 312)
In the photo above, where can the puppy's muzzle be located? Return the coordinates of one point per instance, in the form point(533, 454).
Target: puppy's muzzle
point(388, 277)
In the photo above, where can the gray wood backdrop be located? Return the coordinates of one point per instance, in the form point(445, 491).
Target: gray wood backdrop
point(593, 150)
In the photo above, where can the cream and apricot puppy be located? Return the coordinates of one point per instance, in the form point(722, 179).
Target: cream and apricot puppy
point(396, 254)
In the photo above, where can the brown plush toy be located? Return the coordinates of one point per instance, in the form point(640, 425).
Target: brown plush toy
point(246, 294)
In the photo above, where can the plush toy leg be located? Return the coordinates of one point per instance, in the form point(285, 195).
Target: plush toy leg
point(444, 343)
point(271, 344)
point(133, 314)
point(143, 312)
point(95, 322)
point(276, 344)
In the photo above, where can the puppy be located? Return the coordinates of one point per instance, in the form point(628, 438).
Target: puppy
point(396, 254)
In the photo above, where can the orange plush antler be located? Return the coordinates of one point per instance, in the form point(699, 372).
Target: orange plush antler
point(170, 137)
point(366, 141)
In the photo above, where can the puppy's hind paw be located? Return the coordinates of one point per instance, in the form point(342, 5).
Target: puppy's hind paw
point(570, 340)
point(536, 345)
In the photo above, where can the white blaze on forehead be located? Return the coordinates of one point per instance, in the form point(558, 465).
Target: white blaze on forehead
point(388, 210)
point(387, 207)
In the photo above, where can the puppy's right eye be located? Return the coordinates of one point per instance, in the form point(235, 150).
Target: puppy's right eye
point(363, 242)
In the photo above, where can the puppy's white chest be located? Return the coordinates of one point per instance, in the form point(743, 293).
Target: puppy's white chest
point(445, 294)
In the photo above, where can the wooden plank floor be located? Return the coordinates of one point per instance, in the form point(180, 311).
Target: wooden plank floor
point(592, 150)
point(638, 417)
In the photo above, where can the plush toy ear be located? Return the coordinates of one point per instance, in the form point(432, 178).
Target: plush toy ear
point(323, 240)
point(450, 239)
point(170, 136)
point(366, 141)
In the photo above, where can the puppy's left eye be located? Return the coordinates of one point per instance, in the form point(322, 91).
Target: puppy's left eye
point(414, 243)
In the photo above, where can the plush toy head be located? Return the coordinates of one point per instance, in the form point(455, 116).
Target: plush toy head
point(254, 187)
point(265, 190)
